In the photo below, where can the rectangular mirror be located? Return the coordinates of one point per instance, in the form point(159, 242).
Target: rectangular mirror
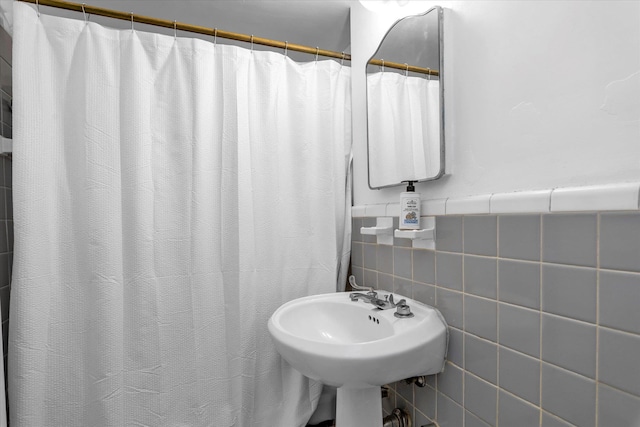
point(405, 103)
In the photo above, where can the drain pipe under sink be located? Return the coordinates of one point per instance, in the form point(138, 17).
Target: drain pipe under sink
point(398, 418)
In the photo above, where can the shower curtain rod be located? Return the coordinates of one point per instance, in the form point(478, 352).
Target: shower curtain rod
point(132, 17)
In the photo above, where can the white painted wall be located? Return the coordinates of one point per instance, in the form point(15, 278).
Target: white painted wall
point(539, 95)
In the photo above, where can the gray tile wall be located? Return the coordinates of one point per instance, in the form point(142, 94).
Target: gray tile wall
point(6, 199)
point(544, 316)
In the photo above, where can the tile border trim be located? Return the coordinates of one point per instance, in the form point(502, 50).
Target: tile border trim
point(611, 197)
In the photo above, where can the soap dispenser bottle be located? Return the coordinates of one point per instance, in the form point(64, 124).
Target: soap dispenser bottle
point(409, 208)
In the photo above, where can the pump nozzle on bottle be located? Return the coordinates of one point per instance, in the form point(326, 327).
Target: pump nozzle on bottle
point(410, 186)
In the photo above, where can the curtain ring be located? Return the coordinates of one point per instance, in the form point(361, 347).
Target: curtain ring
point(286, 47)
point(382, 67)
point(251, 43)
point(84, 13)
point(406, 71)
point(428, 73)
point(342, 60)
point(131, 21)
point(317, 50)
point(38, 8)
point(175, 29)
point(215, 36)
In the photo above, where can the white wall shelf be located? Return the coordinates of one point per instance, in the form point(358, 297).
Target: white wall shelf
point(383, 230)
point(424, 238)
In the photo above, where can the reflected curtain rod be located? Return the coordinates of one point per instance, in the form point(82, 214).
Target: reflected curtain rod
point(132, 17)
point(405, 67)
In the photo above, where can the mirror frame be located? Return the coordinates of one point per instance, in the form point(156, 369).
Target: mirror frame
point(440, 13)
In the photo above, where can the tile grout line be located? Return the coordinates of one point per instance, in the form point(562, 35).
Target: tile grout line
point(497, 322)
point(540, 316)
point(413, 386)
point(528, 261)
point(597, 376)
point(435, 301)
point(464, 329)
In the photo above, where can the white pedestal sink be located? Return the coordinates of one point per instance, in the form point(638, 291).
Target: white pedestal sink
point(358, 347)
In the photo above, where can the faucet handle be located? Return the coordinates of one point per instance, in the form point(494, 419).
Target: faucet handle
point(394, 304)
point(403, 310)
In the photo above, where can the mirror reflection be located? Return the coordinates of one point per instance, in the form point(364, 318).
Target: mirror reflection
point(405, 103)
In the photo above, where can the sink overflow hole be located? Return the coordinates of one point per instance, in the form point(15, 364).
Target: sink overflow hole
point(374, 320)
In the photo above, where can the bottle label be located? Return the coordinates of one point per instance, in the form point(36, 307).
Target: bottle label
point(411, 218)
point(410, 208)
point(411, 203)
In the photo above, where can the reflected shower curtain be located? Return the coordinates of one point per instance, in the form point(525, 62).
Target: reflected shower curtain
point(169, 195)
point(404, 127)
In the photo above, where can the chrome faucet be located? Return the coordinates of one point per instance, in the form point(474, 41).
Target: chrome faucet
point(383, 304)
point(372, 298)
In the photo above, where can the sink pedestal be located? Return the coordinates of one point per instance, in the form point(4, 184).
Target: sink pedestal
point(359, 407)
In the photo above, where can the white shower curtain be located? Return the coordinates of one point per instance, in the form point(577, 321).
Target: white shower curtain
point(404, 127)
point(169, 195)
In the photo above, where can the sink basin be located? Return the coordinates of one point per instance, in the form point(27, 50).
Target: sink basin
point(353, 345)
